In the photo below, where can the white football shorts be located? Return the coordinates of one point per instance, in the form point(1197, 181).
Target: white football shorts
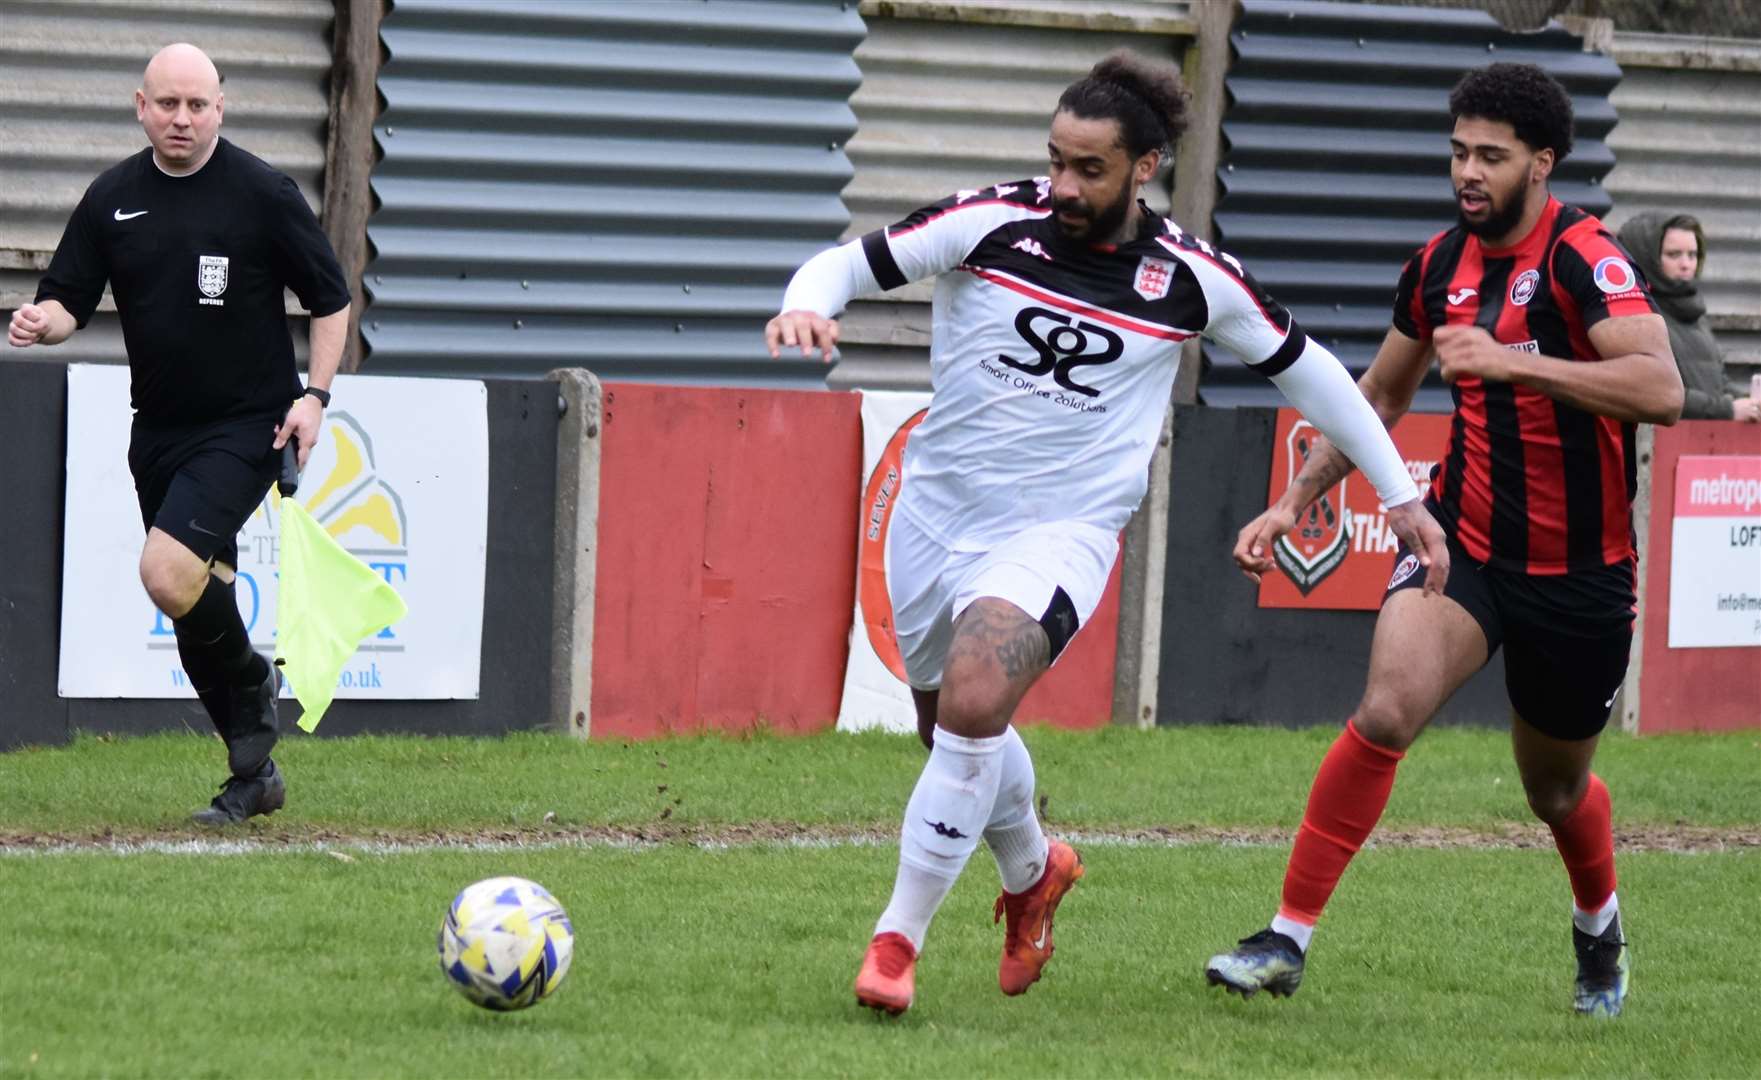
point(1055, 572)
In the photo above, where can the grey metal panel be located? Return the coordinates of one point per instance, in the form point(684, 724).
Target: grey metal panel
point(621, 186)
point(964, 101)
point(1337, 165)
point(68, 73)
point(1689, 141)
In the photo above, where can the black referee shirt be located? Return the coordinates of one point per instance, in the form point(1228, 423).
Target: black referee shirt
point(198, 264)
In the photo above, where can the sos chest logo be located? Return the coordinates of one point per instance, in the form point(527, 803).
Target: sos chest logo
point(1062, 344)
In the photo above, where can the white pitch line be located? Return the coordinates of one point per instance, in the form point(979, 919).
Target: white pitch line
point(707, 841)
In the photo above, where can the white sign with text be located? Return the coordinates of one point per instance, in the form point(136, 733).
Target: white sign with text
point(1715, 553)
point(400, 477)
point(875, 691)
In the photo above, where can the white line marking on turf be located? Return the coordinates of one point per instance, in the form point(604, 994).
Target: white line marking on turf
point(707, 841)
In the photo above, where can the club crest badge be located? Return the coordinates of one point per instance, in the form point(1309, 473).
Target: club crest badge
point(1317, 544)
point(211, 274)
point(1153, 278)
point(1522, 290)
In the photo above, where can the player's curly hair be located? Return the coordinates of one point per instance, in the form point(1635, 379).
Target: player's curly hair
point(1146, 98)
point(1523, 96)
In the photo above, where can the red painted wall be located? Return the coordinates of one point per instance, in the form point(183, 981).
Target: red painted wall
point(727, 559)
point(1690, 689)
point(1078, 692)
point(726, 577)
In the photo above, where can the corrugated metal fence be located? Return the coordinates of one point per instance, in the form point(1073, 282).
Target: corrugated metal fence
point(958, 96)
point(623, 186)
point(68, 72)
point(1337, 165)
point(1689, 141)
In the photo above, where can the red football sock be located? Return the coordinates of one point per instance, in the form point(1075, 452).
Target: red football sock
point(1351, 789)
point(1586, 843)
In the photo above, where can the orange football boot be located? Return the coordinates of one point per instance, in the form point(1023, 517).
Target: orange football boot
point(888, 979)
point(1027, 936)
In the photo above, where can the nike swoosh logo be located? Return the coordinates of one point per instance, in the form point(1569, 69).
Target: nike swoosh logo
point(196, 527)
point(1462, 296)
point(1045, 928)
point(120, 216)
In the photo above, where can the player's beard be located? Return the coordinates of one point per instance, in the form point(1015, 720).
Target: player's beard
point(1502, 213)
point(1102, 224)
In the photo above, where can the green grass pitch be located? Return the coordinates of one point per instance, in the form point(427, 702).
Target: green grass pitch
point(720, 921)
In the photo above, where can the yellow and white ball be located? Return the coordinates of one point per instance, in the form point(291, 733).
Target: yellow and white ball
point(506, 943)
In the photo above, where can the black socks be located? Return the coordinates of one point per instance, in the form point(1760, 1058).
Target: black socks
point(213, 644)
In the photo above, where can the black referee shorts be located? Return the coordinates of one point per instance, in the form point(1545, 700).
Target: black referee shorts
point(1566, 637)
point(201, 484)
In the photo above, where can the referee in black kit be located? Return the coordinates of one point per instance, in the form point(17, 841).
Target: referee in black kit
point(198, 239)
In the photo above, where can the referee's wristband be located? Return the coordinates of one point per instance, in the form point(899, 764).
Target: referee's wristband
point(323, 396)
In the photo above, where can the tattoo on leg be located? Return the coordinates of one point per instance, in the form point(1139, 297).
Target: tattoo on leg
point(1019, 644)
point(1023, 651)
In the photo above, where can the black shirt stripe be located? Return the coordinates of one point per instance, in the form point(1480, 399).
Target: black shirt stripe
point(1510, 495)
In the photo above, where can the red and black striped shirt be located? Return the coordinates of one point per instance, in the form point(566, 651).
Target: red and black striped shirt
point(1530, 484)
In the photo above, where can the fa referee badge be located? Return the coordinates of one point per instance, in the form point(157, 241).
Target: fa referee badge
point(211, 277)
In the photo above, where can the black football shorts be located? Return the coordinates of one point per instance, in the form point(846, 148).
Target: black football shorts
point(1566, 637)
point(201, 484)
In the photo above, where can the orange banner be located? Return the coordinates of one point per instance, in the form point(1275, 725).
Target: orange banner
point(1341, 552)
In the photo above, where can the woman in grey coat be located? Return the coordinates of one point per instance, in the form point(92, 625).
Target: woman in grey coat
point(1671, 250)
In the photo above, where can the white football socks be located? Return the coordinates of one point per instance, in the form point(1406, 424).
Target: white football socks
point(948, 810)
point(1594, 922)
point(1295, 931)
point(1014, 833)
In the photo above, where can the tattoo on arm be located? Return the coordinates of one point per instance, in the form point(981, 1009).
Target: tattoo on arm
point(1325, 466)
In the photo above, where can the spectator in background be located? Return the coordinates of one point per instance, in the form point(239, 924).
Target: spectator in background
point(1671, 250)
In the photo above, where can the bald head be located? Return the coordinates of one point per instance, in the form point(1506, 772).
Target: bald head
point(181, 64)
point(179, 106)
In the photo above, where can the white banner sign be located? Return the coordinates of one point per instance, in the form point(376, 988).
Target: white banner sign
point(400, 477)
point(875, 691)
point(1715, 553)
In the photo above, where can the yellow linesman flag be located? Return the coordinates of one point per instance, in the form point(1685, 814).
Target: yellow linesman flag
point(328, 602)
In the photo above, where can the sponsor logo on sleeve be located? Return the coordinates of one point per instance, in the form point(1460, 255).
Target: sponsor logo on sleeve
point(1615, 276)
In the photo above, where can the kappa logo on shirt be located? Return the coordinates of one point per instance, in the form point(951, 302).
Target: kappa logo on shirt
point(211, 277)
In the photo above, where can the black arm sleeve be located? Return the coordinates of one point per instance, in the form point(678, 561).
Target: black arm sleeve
point(79, 270)
point(305, 259)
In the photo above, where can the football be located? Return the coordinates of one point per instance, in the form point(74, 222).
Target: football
point(505, 943)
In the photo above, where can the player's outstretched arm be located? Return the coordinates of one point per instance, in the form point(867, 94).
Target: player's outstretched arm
point(821, 289)
point(1388, 386)
point(807, 329)
point(47, 323)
